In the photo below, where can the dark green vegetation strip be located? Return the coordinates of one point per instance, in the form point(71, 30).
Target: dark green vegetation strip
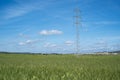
point(59, 67)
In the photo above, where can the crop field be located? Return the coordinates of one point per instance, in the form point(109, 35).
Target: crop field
point(59, 67)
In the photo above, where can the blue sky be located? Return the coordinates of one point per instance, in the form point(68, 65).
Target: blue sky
point(48, 25)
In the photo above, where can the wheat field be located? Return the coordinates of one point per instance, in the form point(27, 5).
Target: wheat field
point(59, 67)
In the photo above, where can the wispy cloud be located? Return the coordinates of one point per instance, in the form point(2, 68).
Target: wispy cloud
point(18, 10)
point(107, 22)
point(23, 7)
point(50, 32)
point(23, 33)
point(111, 38)
point(84, 24)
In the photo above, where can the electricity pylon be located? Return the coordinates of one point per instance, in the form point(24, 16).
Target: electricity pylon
point(77, 25)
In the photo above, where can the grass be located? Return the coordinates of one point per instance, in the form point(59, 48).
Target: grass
point(59, 67)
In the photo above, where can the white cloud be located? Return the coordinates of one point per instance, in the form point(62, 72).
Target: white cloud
point(53, 45)
point(50, 45)
point(27, 42)
point(21, 43)
point(46, 44)
point(23, 35)
point(69, 43)
point(50, 32)
point(101, 42)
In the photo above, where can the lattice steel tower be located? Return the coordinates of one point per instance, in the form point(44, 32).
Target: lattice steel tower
point(77, 25)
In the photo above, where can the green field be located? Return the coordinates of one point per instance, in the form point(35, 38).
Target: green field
point(59, 67)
